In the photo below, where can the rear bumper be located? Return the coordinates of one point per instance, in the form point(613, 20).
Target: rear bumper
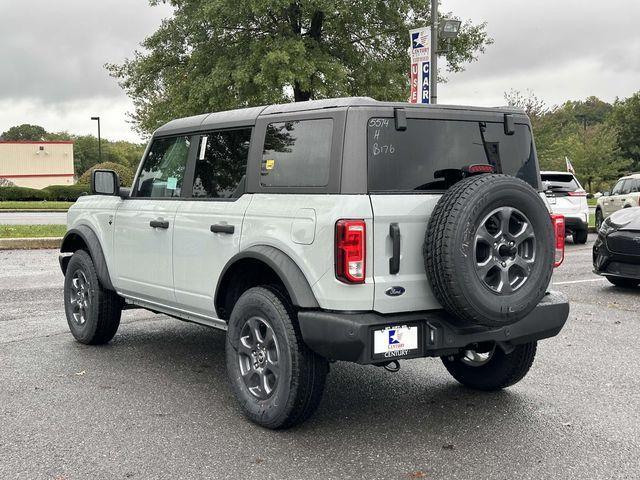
point(349, 336)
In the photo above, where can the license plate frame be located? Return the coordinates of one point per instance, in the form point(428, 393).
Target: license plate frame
point(395, 342)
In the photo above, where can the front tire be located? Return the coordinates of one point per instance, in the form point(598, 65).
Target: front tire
point(624, 282)
point(276, 379)
point(493, 370)
point(599, 219)
point(93, 313)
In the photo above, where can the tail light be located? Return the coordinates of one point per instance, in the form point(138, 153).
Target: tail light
point(578, 193)
point(350, 251)
point(558, 229)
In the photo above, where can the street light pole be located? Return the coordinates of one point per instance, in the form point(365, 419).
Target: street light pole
point(99, 143)
point(433, 68)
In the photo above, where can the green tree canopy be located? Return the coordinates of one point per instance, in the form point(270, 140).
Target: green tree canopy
point(626, 119)
point(25, 132)
point(222, 54)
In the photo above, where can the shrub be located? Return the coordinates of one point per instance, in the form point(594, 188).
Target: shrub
point(21, 194)
point(65, 193)
point(53, 193)
point(124, 172)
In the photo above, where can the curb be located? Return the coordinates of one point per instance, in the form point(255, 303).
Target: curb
point(30, 243)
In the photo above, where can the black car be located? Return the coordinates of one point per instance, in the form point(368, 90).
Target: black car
point(616, 253)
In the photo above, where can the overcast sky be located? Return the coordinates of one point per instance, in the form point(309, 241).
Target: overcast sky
point(52, 55)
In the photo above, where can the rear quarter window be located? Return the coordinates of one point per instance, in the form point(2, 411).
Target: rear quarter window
point(297, 154)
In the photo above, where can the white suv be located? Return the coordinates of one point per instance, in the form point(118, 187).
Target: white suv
point(625, 193)
point(343, 229)
point(567, 197)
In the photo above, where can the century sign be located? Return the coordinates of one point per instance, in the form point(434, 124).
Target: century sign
point(420, 53)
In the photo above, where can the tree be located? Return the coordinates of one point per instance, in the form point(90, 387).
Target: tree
point(595, 155)
point(124, 172)
point(222, 54)
point(533, 106)
point(626, 119)
point(24, 133)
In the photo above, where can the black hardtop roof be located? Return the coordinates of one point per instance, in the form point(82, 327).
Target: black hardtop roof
point(248, 116)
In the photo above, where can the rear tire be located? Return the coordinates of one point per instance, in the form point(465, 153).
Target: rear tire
point(580, 236)
point(499, 371)
point(276, 379)
point(624, 282)
point(93, 313)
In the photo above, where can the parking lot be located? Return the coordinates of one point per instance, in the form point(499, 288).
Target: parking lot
point(155, 402)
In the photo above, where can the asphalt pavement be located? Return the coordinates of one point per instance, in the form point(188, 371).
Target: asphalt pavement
point(155, 402)
point(33, 218)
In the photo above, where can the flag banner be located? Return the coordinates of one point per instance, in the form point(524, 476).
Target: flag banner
point(420, 53)
point(570, 168)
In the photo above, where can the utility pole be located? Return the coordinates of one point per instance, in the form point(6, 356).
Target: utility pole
point(433, 68)
point(99, 143)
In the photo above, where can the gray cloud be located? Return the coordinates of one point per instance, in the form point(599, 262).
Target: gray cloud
point(55, 51)
point(52, 55)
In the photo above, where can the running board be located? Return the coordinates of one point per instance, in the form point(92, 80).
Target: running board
point(178, 313)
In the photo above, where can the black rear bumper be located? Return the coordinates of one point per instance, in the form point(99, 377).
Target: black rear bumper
point(349, 336)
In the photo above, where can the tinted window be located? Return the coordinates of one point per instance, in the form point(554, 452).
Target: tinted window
point(221, 163)
point(297, 154)
point(634, 186)
point(163, 169)
point(559, 182)
point(626, 187)
point(618, 188)
point(428, 155)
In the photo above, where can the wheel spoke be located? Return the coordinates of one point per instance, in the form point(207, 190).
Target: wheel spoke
point(264, 383)
point(524, 264)
point(273, 367)
point(524, 234)
point(505, 285)
point(484, 235)
point(484, 268)
point(254, 325)
point(505, 218)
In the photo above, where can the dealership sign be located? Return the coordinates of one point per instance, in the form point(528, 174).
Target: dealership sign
point(420, 53)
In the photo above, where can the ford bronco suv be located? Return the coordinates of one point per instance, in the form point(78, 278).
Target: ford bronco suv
point(344, 229)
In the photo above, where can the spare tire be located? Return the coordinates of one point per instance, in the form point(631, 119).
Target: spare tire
point(489, 250)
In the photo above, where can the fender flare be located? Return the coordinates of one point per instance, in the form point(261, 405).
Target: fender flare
point(73, 240)
point(292, 277)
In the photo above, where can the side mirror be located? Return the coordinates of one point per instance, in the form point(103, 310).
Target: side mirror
point(105, 182)
point(606, 194)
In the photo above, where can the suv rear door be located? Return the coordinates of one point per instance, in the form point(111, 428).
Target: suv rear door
point(408, 170)
point(208, 224)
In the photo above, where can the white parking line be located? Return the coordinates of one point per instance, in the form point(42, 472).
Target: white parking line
point(579, 281)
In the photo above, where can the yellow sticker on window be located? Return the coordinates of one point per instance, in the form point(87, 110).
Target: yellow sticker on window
point(269, 164)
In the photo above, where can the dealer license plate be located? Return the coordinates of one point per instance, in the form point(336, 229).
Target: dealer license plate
point(395, 341)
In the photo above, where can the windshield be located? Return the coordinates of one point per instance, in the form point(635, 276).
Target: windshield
point(429, 154)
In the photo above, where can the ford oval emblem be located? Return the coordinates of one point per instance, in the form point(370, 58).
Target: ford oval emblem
point(394, 291)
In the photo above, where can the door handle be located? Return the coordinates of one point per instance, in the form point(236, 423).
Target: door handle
point(222, 228)
point(394, 261)
point(159, 223)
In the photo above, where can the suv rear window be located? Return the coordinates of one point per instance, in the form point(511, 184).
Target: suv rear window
point(560, 182)
point(297, 154)
point(429, 154)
